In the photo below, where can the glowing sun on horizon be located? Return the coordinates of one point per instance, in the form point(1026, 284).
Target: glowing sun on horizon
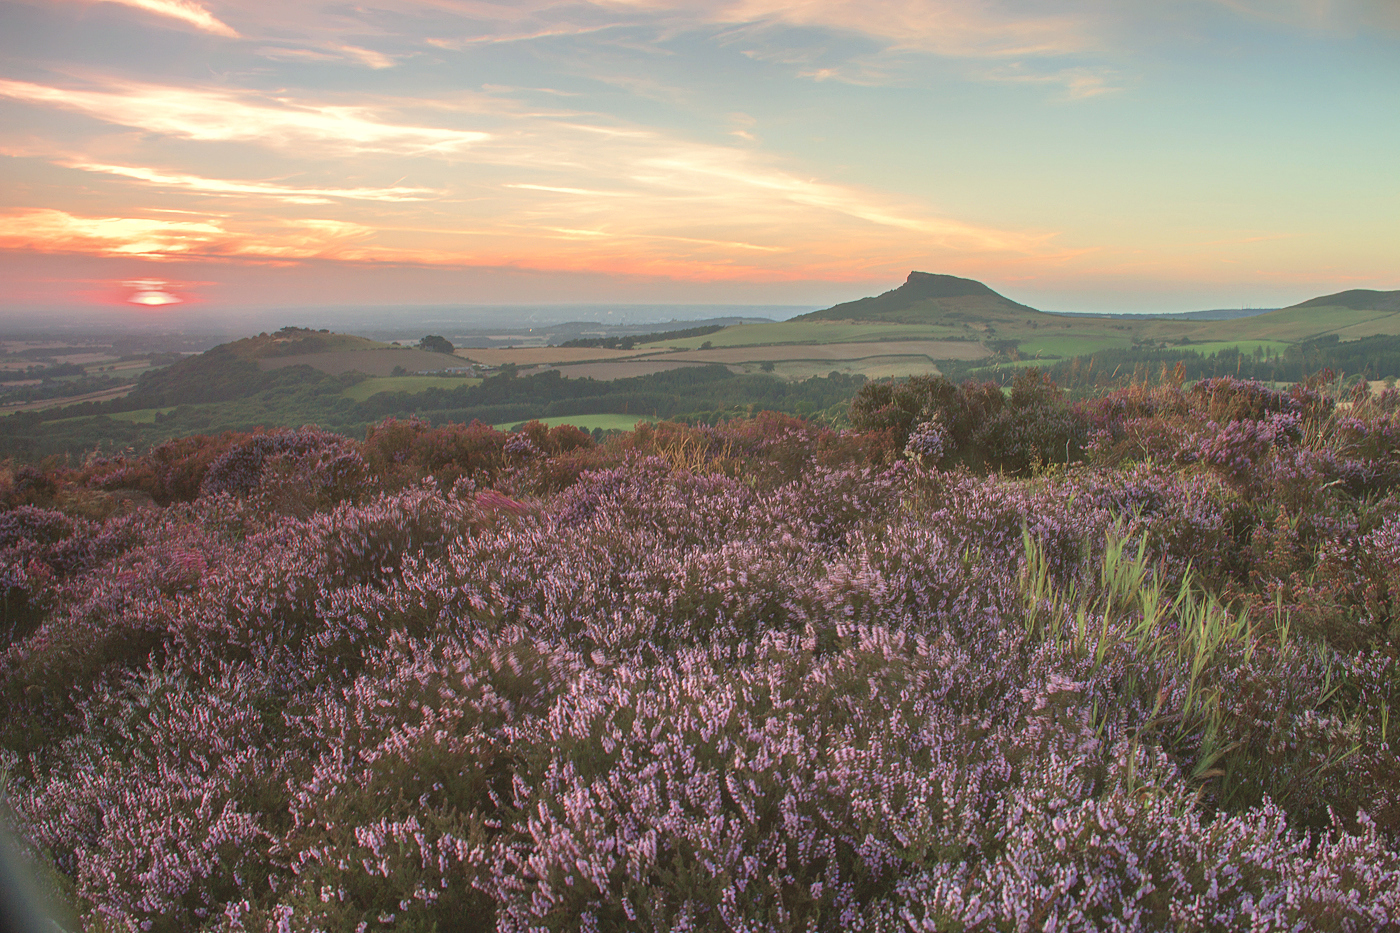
point(151, 293)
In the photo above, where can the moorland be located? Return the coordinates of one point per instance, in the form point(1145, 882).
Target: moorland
point(990, 659)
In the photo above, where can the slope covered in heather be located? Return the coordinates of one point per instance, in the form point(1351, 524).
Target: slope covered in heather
point(757, 676)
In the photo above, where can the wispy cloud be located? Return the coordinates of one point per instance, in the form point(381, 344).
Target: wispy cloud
point(509, 36)
point(588, 192)
point(285, 193)
point(328, 52)
point(216, 115)
point(185, 11)
point(1078, 83)
point(962, 28)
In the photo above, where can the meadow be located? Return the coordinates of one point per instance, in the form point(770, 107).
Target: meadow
point(988, 661)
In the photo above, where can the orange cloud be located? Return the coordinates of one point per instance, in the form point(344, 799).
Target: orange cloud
point(220, 116)
point(52, 231)
point(56, 231)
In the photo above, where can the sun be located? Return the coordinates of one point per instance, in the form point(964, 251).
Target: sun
point(151, 293)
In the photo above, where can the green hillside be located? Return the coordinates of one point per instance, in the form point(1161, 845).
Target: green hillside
point(926, 298)
point(1348, 315)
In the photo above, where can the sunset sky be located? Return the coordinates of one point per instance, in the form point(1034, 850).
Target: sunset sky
point(1128, 156)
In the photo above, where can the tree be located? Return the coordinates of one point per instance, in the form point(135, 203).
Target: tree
point(435, 344)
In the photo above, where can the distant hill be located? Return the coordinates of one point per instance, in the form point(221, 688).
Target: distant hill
point(297, 341)
point(291, 358)
point(1357, 299)
point(926, 298)
point(1349, 315)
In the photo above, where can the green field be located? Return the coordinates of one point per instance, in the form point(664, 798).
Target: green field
point(585, 422)
point(361, 391)
point(1056, 346)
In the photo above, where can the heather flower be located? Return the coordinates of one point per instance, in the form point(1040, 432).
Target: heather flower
point(521, 447)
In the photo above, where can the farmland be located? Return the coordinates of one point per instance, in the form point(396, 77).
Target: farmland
point(801, 332)
point(609, 370)
point(929, 349)
point(534, 356)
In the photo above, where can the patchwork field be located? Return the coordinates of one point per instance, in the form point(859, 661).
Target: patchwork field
point(371, 362)
point(623, 369)
point(749, 335)
point(929, 349)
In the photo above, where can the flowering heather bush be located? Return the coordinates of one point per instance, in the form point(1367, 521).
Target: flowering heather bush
point(752, 677)
point(519, 447)
point(239, 469)
point(927, 443)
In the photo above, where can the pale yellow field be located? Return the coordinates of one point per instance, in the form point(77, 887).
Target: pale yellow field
point(534, 356)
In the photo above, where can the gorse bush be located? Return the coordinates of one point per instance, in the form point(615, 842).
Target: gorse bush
point(992, 663)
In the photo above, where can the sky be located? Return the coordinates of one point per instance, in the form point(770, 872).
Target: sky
point(178, 156)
